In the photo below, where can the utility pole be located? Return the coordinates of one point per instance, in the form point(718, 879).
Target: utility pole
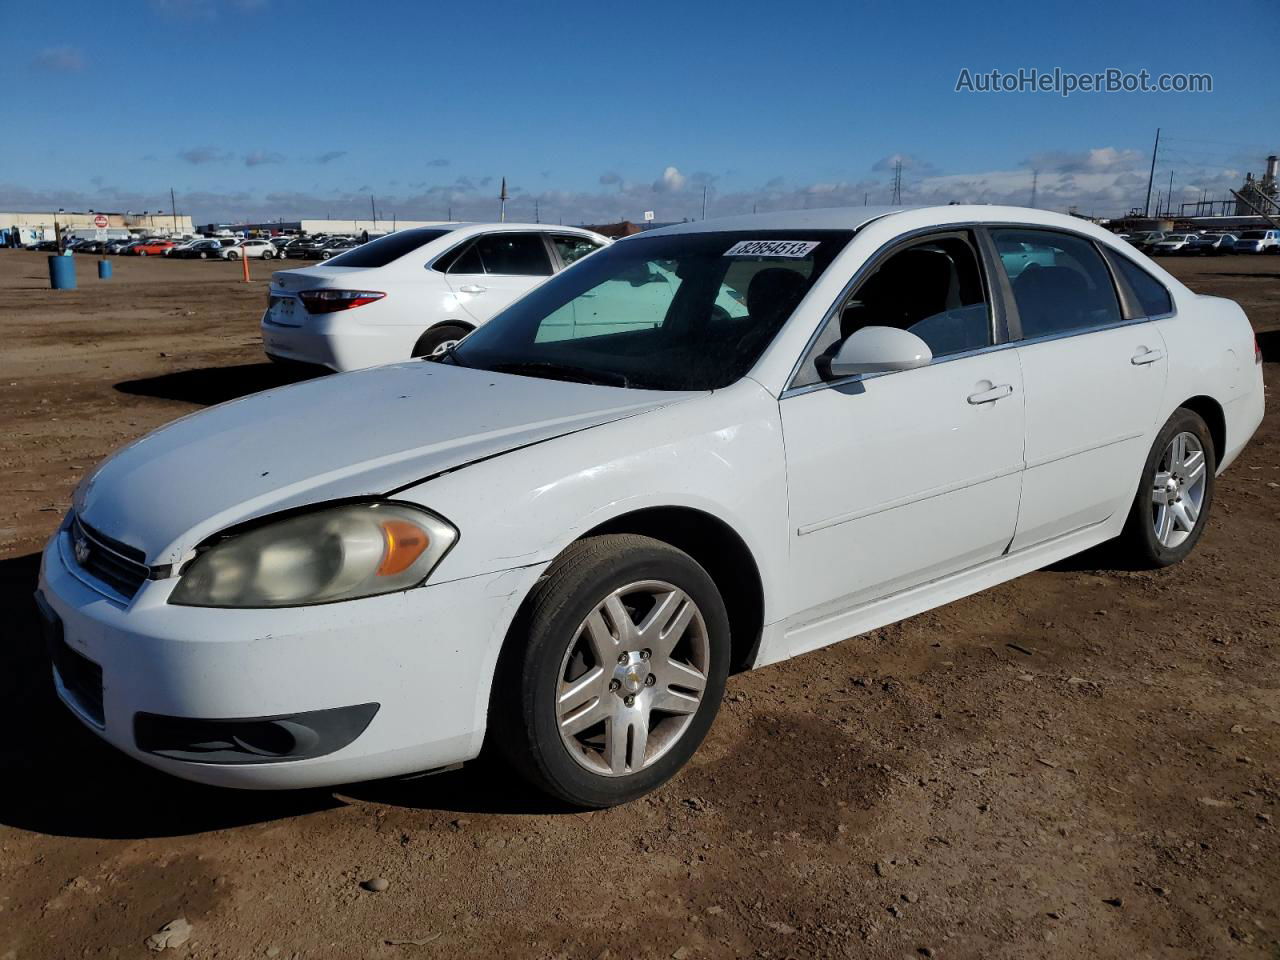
point(537, 212)
point(1168, 197)
point(704, 201)
point(897, 183)
point(502, 202)
point(1152, 176)
point(1035, 181)
point(173, 207)
point(373, 212)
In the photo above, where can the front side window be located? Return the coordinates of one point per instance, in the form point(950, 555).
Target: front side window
point(934, 289)
point(573, 248)
point(1062, 286)
point(678, 312)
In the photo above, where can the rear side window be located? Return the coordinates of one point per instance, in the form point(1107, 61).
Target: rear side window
point(380, 252)
point(512, 255)
point(1060, 283)
point(1151, 293)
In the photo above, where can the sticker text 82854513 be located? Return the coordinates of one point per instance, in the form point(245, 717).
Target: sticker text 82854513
point(794, 249)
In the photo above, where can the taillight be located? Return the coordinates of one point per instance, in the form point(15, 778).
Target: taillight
point(1257, 350)
point(331, 301)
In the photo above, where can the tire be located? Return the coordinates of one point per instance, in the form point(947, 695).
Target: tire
point(552, 650)
point(233, 256)
point(1156, 535)
point(204, 255)
point(142, 253)
point(267, 255)
point(438, 339)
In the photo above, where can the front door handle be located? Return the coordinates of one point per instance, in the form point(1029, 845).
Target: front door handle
point(1148, 356)
point(472, 288)
point(991, 395)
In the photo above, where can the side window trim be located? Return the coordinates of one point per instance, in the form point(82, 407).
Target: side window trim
point(864, 272)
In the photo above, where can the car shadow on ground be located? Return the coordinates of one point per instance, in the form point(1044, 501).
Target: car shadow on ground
point(211, 385)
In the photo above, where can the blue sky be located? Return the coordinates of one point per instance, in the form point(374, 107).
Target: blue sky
point(266, 108)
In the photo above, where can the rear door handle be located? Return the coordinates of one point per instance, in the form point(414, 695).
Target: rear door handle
point(992, 395)
point(472, 288)
point(1150, 356)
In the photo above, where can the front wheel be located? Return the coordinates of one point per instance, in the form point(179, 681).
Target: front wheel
point(267, 254)
point(614, 671)
point(1172, 504)
point(233, 256)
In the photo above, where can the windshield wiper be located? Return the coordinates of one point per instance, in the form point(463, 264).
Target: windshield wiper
point(561, 371)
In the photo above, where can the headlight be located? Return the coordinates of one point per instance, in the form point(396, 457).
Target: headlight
point(338, 553)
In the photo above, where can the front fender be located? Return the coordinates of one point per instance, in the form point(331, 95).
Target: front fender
point(721, 454)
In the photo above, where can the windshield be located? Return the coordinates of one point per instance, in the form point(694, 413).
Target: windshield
point(1252, 235)
point(689, 311)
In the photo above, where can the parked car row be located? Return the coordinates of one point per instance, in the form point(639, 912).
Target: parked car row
point(1160, 243)
point(212, 248)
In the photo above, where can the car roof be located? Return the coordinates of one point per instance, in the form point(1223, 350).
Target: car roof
point(852, 218)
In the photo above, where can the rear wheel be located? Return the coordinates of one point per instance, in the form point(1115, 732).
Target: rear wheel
point(142, 253)
point(614, 672)
point(438, 340)
point(267, 254)
point(204, 255)
point(1172, 504)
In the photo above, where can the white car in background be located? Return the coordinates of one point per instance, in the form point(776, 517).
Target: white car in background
point(412, 293)
point(249, 249)
point(559, 538)
point(1173, 243)
point(1258, 241)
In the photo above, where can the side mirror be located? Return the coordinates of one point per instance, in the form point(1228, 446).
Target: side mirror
point(880, 350)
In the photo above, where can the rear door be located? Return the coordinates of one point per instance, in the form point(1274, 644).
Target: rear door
point(1093, 380)
point(497, 268)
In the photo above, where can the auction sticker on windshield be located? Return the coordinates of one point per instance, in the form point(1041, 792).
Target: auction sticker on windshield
point(772, 248)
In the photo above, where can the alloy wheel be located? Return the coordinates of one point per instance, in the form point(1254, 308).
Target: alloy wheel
point(1178, 489)
point(632, 678)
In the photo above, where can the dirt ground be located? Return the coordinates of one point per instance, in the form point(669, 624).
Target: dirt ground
point(1081, 763)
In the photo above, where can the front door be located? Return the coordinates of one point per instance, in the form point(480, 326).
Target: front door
point(900, 478)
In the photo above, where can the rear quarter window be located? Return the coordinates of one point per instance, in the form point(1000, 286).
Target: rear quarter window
point(1151, 293)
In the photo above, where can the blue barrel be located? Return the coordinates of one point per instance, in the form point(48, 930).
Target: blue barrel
point(104, 269)
point(62, 273)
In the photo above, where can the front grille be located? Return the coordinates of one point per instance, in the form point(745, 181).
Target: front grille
point(119, 566)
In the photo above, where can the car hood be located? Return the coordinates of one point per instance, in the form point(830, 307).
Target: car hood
point(365, 433)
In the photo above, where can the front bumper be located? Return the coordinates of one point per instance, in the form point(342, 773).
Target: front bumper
point(425, 657)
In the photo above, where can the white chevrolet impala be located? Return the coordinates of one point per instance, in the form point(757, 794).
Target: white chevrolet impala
point(560, 537)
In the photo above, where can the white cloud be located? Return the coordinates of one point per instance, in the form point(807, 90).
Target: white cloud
point(671, 181)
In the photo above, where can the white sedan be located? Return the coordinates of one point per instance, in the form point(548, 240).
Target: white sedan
point(562, 536)
point(248, 249)
point(412, 293)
